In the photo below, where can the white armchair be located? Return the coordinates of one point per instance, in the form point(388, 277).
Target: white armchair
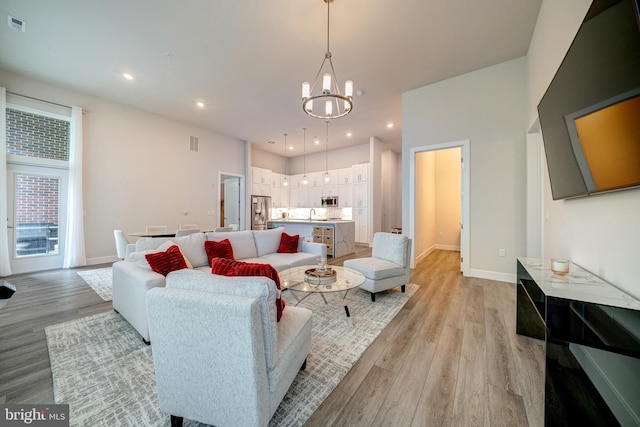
point(219, 355)
point(388, 266)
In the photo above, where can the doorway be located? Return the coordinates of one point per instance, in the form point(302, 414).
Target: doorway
point(231, 206)
point(36, 214)
point(422, 202)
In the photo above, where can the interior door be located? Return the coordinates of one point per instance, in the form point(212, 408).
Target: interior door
point(37, 211)
point(231, 201)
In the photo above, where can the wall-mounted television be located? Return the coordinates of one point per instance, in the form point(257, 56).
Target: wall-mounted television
point(590, 114)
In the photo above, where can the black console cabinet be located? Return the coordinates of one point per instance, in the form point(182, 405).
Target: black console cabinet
point(567, 312)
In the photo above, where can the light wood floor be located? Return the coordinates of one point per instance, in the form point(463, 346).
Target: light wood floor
point(450, 357)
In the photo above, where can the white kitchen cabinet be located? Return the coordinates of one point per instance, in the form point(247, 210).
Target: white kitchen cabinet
point(360, 172)
point(360, 194)
point(315, 179)
point(260, 181)
point(333, 177)
point(276, 179)
point(329, 191)
point(361, 219)
point(284, 197)
point(345, 176)
point(345, 196)
point(314, 197)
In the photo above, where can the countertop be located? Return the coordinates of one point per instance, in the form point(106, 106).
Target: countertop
point(306, 221)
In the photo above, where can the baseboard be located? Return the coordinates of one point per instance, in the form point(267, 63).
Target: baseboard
point(492, 275)
point(424, 254)
point(102, 260)
point(620, 407)
point(448, 248)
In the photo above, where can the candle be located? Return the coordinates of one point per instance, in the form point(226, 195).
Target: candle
point(560, 266)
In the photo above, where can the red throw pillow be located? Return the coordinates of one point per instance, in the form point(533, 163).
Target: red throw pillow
point(221, 249)
point(167, 261)
point(288, 244)
point(227, 267)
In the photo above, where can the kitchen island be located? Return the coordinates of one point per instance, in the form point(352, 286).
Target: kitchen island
point(338, 235)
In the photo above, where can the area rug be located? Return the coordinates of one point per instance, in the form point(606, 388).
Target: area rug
point(104, 372)
point(100, 280)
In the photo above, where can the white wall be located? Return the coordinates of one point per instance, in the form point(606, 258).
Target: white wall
point(339, 158)
point(138, 169)
point(391, 190)
point(425, 202)
point(448, 185)
point(488, 107)
point(601, 233)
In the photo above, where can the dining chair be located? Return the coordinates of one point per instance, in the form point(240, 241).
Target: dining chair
point(188, 226)
point(234, 227)
point(218, 229)
point(121, 243)
point(156, 228)
point(186, 231)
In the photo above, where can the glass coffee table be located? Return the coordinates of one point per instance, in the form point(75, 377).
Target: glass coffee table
point(297, 281)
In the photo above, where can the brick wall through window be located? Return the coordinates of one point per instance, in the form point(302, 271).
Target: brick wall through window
point(39, 136)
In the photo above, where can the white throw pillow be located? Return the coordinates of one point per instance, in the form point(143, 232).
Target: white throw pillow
point(267, 241)
point(192, 247)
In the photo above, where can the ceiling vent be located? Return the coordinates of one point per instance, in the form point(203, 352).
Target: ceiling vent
point(193, 143)
point(16, 24)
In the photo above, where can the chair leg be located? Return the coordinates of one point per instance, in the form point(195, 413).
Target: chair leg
point(373, 297)
point(402, 287)
point(304, 365)
point(176, 421)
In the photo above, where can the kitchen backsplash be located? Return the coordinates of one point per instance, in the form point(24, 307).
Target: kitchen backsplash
point(319, 213)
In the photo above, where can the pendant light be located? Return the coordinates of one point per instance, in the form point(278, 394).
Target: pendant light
point(335, 104)
point(305, 181)
point(327, 178)
point(285, 182)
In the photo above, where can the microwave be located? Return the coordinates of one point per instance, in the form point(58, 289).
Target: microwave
point(331, 201)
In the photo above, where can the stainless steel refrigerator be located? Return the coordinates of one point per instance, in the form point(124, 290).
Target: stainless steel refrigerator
point(260, 212)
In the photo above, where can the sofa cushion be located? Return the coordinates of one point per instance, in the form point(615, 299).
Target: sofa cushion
point(283, 261)
point(390, 247)
point(192, 247)
point(288, 244)
point(253, 287)
point(375, 268)
point(227, 267)
point(267, 241)
point(167, 261)
point(221, 249)
point(241, 241)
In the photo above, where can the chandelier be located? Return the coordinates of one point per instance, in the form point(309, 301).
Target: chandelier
point(335, 104)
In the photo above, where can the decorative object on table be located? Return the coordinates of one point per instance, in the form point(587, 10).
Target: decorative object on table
point(335, 104)
point(560, 266)
point(101, 368)
point(317, 276)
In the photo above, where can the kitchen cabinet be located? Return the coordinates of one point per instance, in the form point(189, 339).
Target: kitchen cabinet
point(360, 194)
point(276, 179)
point(361, 219)
point(324, 235)
point(329, 191)
point(360, 172)
point(345, 176)
point(345, 196)
point(260, 181)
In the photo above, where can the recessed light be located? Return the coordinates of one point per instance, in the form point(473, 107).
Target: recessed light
point(349, 134)
point(291, 147)
point(389, 125)
point(271, 142)
point(127, 76)
point(200, 104)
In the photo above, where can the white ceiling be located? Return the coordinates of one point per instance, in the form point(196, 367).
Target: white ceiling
point(246, 59)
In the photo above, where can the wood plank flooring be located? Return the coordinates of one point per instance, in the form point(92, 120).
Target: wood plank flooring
point(449, 358)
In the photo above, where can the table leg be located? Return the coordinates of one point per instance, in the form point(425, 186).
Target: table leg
point(346, 309)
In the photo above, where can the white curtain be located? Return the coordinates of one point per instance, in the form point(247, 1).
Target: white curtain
point(5, 267)
point(74, 255)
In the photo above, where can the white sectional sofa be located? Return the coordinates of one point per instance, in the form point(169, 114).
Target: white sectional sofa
point(220, 357)
point(132, 278)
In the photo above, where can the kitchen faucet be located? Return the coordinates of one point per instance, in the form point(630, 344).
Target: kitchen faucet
point(311, 211)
